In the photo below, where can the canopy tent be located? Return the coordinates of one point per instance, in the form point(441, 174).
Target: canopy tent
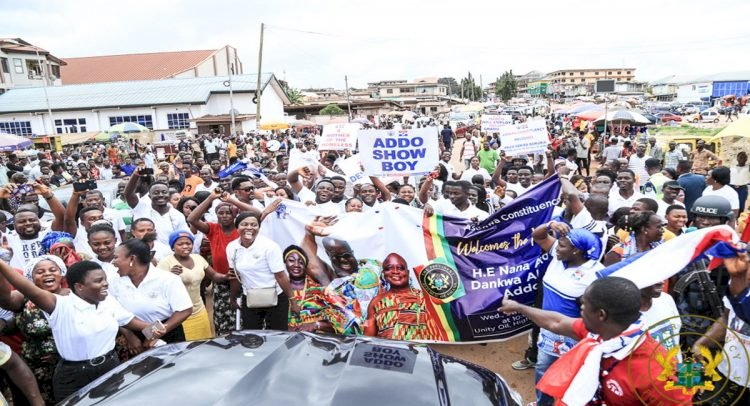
point(623, 116)
point(302, 123)
point(590, 115)
point(273, 125)
point(77, 138)
point(11, 142)
point(580, 108)
point(739, 128)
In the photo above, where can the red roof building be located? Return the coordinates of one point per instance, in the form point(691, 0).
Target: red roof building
point(150, 66)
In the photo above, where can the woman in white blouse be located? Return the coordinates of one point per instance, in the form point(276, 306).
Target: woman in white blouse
point(258, 265)
point(83, 324)
point(150, 293)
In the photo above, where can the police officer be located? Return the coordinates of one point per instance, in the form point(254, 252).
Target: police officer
point(696, 291)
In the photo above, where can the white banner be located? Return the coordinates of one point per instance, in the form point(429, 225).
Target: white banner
point(491, 123)
point(524, 138)
point(352, 168)
point(399, 153)
point(338, 137)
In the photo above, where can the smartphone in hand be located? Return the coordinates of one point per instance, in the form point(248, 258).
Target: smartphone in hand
point(151, 329)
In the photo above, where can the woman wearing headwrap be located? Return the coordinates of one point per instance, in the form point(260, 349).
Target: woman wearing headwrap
point(38, 349)
point(307, 292)
point(191, 268)
point(61, 244)
point(575, 259)
point(398, 312)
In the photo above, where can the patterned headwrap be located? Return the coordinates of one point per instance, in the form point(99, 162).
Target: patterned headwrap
point(585, 241)
point(53, 237)
point(295, 249)
point(176, 235)
point(28, 270)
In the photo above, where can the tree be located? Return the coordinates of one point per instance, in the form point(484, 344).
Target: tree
point(453, 87)
point(506, 86)
point(332, 110)
point(294, 95)
point(470, 90)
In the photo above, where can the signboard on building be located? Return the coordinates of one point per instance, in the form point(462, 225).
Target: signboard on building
point(605, 86)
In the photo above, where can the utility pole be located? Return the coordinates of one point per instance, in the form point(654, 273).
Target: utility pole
point(258, 91)
point(231, 99)
point(481, 87)
point(348, 102)
point(45, 77)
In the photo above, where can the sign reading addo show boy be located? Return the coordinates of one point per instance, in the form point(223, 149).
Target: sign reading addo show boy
point(396, 153)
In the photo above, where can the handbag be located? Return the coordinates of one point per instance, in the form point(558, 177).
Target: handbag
point(258, 297)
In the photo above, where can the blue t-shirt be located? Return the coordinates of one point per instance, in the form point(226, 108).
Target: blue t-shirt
point(694, 185)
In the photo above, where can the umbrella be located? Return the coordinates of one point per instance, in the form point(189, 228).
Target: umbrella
point(739, 128)
point(590, 115)
point(624, 116)
point(581, 108)
point(274, 125)
point(362, 121)
point(10, 142)
point(127, 128)
point(105, 136)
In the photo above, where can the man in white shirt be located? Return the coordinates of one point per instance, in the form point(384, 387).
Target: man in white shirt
point(445, 160)
point(155, 206)
point(670, 190)
point(149, 158)
point(611, 152)
point(740, 178)
point(474, 169)
point(718, 184)
point(637, 164)
point(624, 195)
point(457, 204)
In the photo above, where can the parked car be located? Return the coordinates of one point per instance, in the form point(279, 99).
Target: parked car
point(665, 117)
point(286, 368)
point(706, 116)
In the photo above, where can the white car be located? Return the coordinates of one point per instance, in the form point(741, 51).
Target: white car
point(706, 116)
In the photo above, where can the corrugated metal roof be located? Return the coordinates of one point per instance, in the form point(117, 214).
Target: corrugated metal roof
point(117, 68)
point(125, 94)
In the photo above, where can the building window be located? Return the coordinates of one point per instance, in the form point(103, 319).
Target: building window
point(619, 72)
point(596, 73)
point(55, 70)
point(389, 91)
point(18, 66)
point(70, 126)
point(627, 72)
point(405, 90)
point(583, 80)
point(145, 120)
point(581, 73)
point(178, 120)
point(433, 109)
point(609, 73)
point(4, 65)
point(34, 68)
point(571, 73)
point(16, 127)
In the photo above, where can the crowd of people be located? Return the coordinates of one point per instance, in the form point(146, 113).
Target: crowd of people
point(176, 253)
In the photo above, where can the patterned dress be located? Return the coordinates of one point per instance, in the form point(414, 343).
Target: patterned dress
point(348, 297)
point(312, 302)
point(402, 316)
point(38, 348)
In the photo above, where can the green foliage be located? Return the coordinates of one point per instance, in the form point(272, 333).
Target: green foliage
point(294, 95)
point(470, 89)
point(506, 86)
point(453, 87)
point(332, 110)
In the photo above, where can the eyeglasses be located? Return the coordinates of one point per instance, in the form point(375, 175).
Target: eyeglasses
point(341, 257)
point(247, 189)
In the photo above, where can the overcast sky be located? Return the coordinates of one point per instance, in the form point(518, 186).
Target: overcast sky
point(405, 39)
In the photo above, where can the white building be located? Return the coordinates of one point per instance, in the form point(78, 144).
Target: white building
point(201, 104)
point(694, 91)
point(24, 65)
point(400, 89)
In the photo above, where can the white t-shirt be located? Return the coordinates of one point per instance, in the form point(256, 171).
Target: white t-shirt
point(203, 188)
point(517, 187)
point(726, 192)
point(739, 175)
point(663, 206)
point(25, 250)
point(446, 208)
point(157, 298)
point(469, 173)
point(165, 224)
point(257, 264)
point(210, 146)
point(83, 331)
point(662, 323)
point(616, 200)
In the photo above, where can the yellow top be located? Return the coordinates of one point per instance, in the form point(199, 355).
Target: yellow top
point(192, 278)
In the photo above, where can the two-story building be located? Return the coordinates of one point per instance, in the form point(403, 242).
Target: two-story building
point(397, 89)
point(580, 82)
point(25, 65)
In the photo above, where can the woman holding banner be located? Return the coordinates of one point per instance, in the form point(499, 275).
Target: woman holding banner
point(398, 312)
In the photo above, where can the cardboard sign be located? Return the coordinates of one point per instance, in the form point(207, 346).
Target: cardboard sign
point(338, 137)
point(353, 171)
point(399, 153)
point(491, 123)
point(524, 138)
